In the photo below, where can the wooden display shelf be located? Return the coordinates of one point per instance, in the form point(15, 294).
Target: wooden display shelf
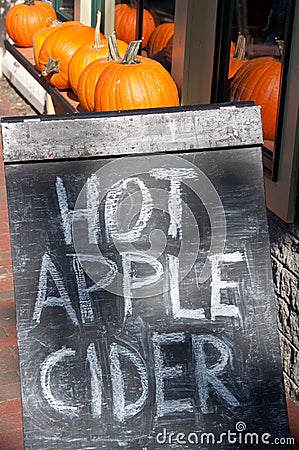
point(64, 101)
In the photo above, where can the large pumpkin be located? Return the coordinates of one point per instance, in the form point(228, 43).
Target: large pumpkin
point(232, 49)
point(135, 83)
point(39, 38)
point(41, 35)
point(57, 50)
point(125, 20)
point(234, 66)
point(168, 50)
point(88, 53)
point(91, 73)
point(159, 39)
point(88, 80)
point(259, 80)
point(23, 20)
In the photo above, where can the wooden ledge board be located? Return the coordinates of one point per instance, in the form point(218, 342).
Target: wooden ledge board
point(66, 100)
point(103, 134)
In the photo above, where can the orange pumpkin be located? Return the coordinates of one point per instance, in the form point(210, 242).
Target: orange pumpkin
point(125, 21)
point(168, 50)
point(39, 38)
point(259, 80)
point(234, 66)
point(88, 80)
point(232, 49)
point(91, 73)
point(159, 39)
point(88, 53)
point(135, 83)
point(57, 50)
point(23, 20)
point(41, 35)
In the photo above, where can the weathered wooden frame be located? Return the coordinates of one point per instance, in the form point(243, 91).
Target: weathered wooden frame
point(176, 129)
point(217, 139)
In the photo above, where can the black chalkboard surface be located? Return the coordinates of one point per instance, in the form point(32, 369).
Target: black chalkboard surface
point(145, 307)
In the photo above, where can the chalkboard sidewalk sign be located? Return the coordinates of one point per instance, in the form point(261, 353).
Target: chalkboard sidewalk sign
point(143, 284)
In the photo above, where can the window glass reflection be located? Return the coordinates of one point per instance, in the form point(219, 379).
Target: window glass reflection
point(65, 9)
point(157, 27)
point(255, 67)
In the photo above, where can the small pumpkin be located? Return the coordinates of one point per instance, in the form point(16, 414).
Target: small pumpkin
point(88, 79)
point(23, 20)
point(135, 83)
point(89, 52)
point(258, 80)
point(125, 22)
point(159, 39)
point(57, 50)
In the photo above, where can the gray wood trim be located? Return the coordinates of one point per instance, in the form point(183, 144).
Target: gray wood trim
point(281, 195)
point(109, 17)
point(137, 132)
point(193, 49)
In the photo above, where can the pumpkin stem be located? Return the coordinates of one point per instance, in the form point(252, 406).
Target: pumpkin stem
point(97, 34)
point(29, 2)
point(240, 47)
point(113, 54)
point(280, 46)
point(131, 53)
point(133, 4)
point(51, 67)
point(54, 22)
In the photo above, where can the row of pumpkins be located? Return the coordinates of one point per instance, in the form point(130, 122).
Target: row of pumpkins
point(105, 74)
point(108, 74)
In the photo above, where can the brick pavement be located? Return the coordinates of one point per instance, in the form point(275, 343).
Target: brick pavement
point(11, 436)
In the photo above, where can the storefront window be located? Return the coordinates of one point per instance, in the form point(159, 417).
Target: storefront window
point(213, 49)
point(160, 43)
point(65, 9)
point(250, 44)
point(258, 65)
point(153, 23)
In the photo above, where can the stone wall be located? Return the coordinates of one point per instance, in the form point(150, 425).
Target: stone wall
point(285, 260)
